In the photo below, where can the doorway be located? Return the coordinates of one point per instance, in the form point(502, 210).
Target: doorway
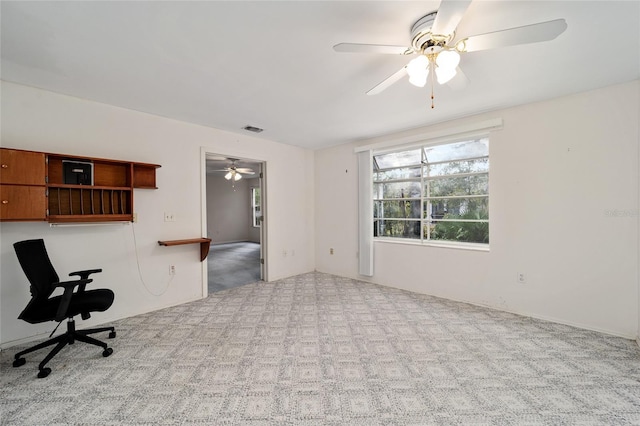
point(233, 204)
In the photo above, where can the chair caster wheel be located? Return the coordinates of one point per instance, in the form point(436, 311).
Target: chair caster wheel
point(18, 362)
point(107, 352)
point(44, 373)
point(112, 335)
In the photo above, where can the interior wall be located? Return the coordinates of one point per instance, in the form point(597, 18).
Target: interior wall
point(228, 210)
point(563, 211)
point(134, 265)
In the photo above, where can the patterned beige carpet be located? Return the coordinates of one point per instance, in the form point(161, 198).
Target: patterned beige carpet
point(318, 349)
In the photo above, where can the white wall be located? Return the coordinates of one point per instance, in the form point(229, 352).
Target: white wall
point(557, 169)
point(38, 120)
point(229, 210)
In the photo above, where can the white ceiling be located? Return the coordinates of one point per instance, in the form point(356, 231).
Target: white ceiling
point(227, 64)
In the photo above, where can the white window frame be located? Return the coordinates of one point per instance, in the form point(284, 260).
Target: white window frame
point(255, 219)
point(425, 197)
point(404, 139)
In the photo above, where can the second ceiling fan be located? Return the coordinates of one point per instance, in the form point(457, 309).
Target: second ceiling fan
point(434, 40)
point(235, 173)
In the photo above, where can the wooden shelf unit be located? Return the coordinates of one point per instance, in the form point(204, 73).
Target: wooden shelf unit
point(22, 185)
point(144, 176)
point(108, 197)
point(80, 200)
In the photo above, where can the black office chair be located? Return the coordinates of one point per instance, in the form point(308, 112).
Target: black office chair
point(37, 266)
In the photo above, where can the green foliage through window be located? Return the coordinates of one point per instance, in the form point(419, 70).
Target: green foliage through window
point(469, 232)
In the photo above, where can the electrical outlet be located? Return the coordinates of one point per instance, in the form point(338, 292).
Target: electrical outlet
point(169, 217)
point(172, 269)
point(331, 250)
point(522, 278)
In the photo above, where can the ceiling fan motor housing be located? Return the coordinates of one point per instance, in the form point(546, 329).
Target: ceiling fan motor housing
point(422, 40)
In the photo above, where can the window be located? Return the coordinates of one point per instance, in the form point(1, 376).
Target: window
point(255, 207)
point(433, 193)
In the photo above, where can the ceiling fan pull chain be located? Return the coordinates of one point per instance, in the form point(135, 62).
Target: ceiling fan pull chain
point(433, 71)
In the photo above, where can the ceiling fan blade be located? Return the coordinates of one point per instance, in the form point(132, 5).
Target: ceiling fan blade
point(534, 33)
point(372, 48)
point(449, 15)
point(388, 81)
point(221, 170)
point(214, 157)
point(459, 82)
point(245, 171)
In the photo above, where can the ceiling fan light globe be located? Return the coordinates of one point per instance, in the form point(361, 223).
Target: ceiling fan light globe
point(237, 176)
point(444, 75)
point(228, 176)
point(418, 80)
point(418, 66)
point(448, 59)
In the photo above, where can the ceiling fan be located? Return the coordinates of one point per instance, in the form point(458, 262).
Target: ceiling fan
point(434, 40)
point(235, 173)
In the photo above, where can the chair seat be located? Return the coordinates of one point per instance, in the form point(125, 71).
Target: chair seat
point(88, 301)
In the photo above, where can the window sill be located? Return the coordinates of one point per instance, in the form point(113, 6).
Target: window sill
point(449, 245)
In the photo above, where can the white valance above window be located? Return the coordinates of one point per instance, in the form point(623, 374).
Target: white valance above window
point(468, 130)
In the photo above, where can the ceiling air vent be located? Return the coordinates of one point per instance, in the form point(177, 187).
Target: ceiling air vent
point(253, 129)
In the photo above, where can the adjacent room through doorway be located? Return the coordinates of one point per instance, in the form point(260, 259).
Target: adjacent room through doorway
point(234, 206)
point(233, 264)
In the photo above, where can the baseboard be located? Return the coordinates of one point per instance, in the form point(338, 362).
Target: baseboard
point(524, 314)
point(105, 321)
point(559, 321)
point(219, 243)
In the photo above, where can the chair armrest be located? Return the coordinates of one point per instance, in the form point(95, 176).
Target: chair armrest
point(85, 274)
point(68, 286)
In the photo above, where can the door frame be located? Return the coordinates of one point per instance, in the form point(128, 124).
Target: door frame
point(264, 208)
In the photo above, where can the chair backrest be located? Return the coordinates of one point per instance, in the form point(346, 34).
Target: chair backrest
point(37, 266)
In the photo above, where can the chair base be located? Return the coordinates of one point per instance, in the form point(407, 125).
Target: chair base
point(61, 341)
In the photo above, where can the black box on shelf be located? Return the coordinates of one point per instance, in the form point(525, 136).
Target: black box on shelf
point(77, 172)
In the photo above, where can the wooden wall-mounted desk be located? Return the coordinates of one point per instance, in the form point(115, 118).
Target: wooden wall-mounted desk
point(204, 245)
